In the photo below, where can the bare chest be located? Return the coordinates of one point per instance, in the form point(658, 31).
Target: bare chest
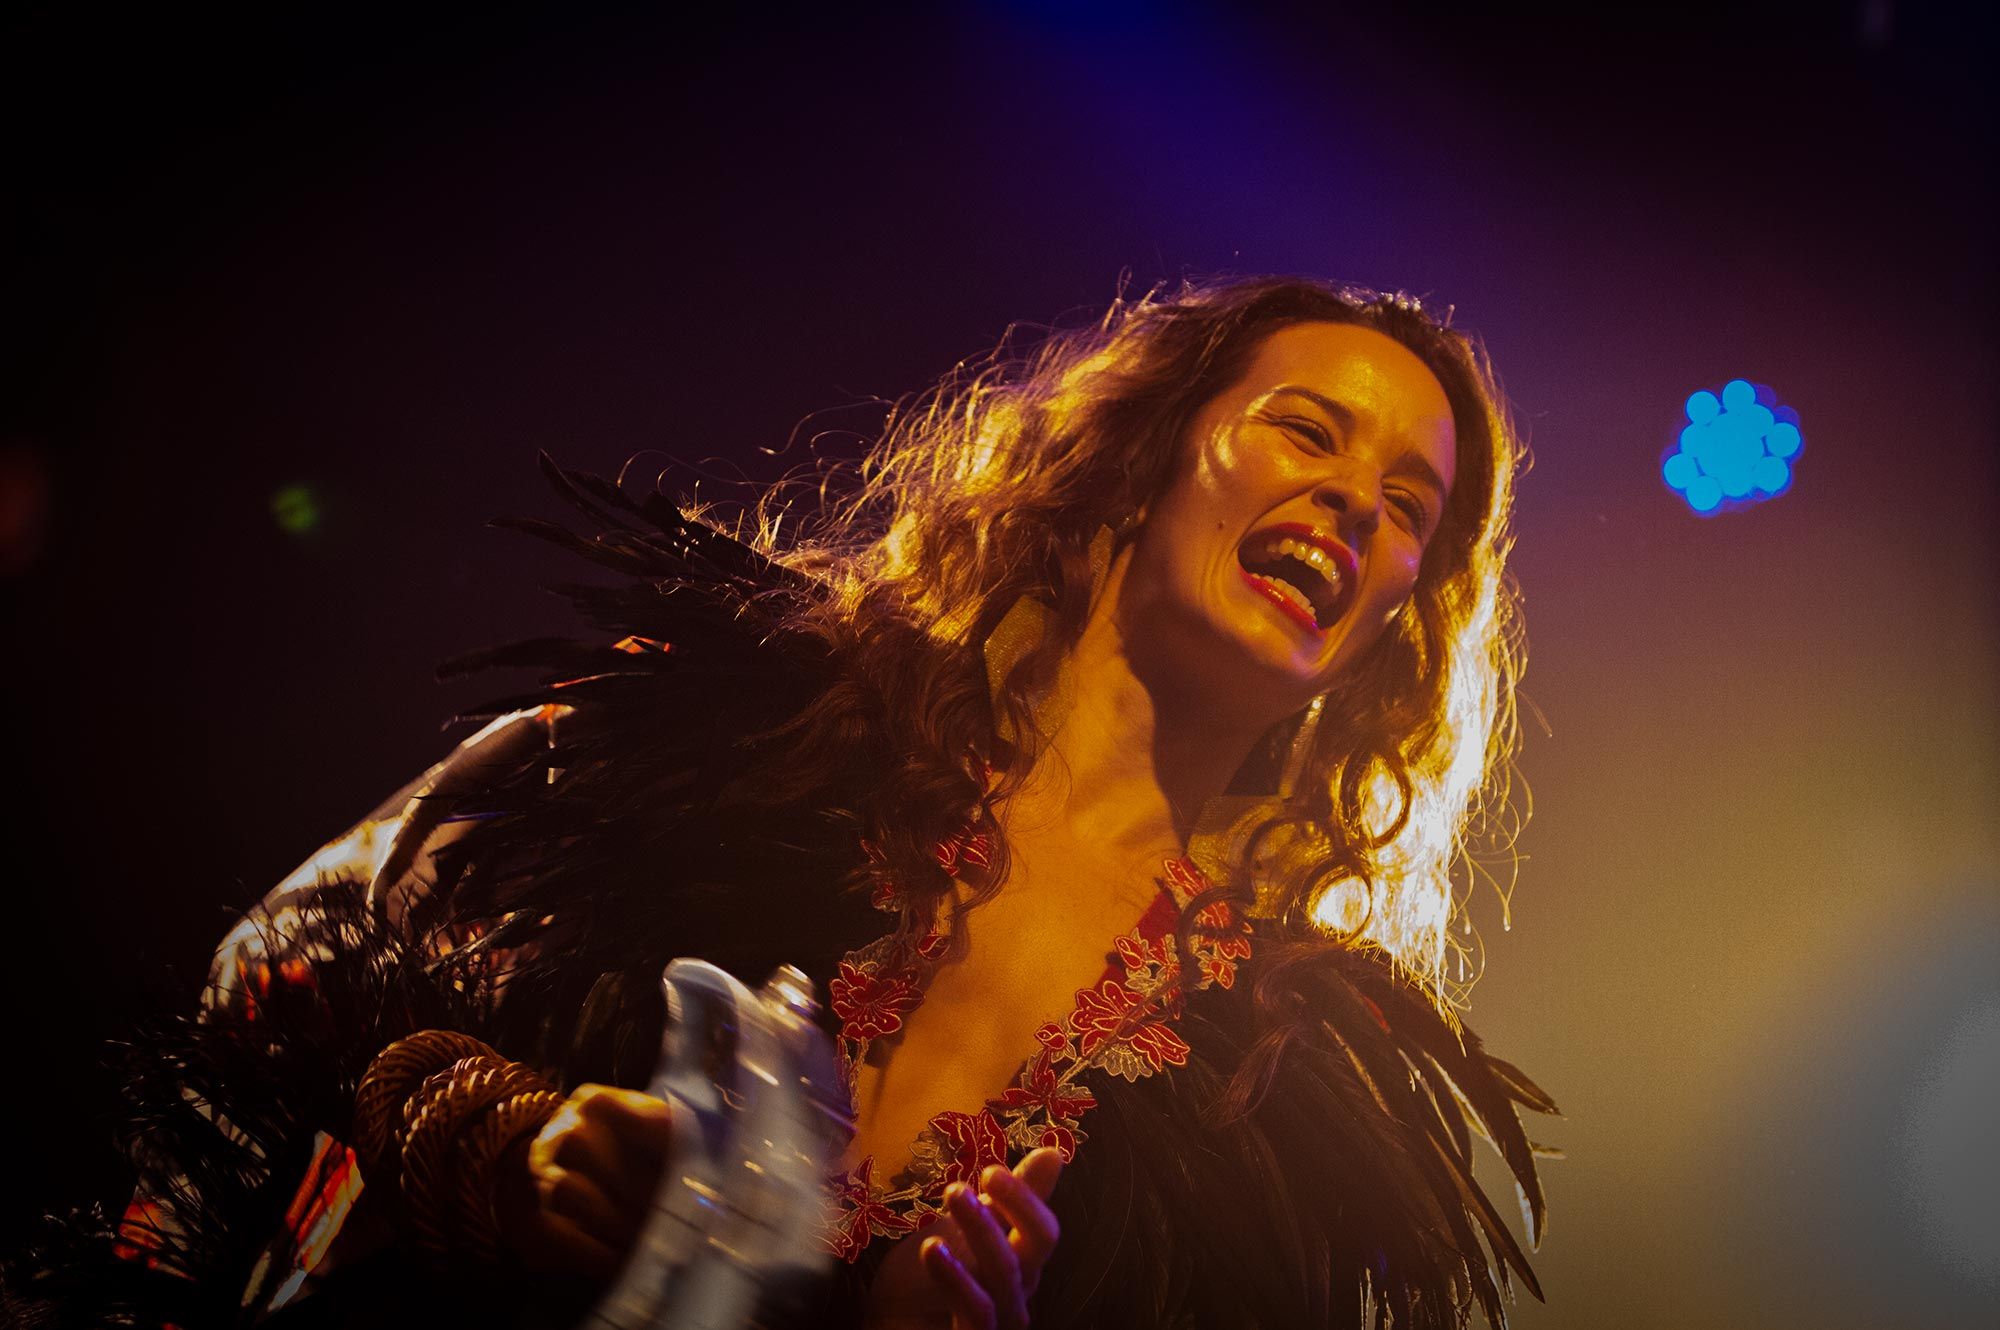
point(976, 1026)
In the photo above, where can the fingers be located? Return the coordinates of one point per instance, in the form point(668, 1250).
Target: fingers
point(992, 1254)
point(574, 1197)
point(971, 1307)
point(1004, 1235)
point(636, 1118)
point(640, 1125)
point(594, 1167)
point(615, 1138)
point(632, 1116)
point(1022, 1206)
point(1040, 1169)
point(984, 1237)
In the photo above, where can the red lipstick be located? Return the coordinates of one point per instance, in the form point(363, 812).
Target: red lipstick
point(1298, 614)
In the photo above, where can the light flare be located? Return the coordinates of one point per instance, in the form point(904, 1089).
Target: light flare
point(1414, 901)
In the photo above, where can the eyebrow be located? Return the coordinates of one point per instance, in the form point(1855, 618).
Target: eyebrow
point(1410, 458)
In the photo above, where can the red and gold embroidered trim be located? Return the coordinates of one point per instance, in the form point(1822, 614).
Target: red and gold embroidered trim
point(1121, 1024)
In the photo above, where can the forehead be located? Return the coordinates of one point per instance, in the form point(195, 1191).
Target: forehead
point(1370, 373)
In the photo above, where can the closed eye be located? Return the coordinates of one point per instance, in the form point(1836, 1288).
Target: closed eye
point(1411, 506)
point(1312, 430)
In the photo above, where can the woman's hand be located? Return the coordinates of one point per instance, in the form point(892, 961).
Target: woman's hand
point(571, 1201)
point(983, 1262)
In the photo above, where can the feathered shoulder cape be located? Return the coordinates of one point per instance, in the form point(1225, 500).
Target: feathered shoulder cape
point(529, 892)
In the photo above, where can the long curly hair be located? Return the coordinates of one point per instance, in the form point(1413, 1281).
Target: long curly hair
point(996, 483)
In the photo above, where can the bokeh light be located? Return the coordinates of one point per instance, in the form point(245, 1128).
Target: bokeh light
point(1735, 450)
point(296, 510)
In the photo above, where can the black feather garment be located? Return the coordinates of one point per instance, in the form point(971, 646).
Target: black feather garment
point(1345, 1197)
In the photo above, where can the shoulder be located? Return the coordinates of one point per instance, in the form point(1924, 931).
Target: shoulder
point(372, 876)
point(1370, 1092)
point(1357, 1006)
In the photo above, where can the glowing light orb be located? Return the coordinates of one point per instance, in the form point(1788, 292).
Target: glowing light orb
point(1737, 449)
point(295, 509)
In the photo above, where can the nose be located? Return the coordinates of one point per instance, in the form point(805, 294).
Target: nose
point(1353, 490)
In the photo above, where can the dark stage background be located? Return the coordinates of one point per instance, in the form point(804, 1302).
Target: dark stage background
point(347, 272)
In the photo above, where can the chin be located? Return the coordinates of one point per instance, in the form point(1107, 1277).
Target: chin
point(1257, 664)
point(1296, 673)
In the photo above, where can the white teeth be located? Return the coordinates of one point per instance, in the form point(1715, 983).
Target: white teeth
point(1291, 593)
point(1273, 546)
point(1307, 553)
point(1321, 563)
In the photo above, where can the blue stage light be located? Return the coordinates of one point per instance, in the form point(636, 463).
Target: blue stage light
point(1736, 449)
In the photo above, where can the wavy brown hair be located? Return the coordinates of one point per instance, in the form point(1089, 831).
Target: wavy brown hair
point(994, 484)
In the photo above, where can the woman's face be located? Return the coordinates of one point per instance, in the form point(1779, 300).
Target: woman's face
point(1302, 502)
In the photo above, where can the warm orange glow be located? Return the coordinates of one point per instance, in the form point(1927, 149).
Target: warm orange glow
point(1414, 901)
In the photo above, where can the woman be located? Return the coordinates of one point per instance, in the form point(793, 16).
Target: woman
point(1146, 682)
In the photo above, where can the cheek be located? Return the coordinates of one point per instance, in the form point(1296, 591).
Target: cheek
point(1377, 615)
point(1241, 467)
point(1167, 565)
point(1397, 583)
point(1194, 526)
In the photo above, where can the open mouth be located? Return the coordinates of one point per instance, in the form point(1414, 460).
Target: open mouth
point(1297, 575)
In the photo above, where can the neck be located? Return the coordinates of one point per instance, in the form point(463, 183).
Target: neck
point(1133, 761)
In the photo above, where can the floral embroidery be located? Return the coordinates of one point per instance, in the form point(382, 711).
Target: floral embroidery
point(888, 893)
point(1185, 880)
point(1113, 1032)
point(1059, 1138)
point(1102, 1014)
point(970, 849)
point(1041, 1088)
point(968, 852)
point(958, 1146)
point(860, 1216)
point(869, 1004)
point(1120, 1025)
point(1137, 953)
point(1226, 945)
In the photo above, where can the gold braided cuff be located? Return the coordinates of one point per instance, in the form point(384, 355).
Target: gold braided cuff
point(478, 1150)
point(434, 1116)
point(391, 1078)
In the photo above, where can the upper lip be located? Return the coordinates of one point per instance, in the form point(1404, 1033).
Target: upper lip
point(1343, 558)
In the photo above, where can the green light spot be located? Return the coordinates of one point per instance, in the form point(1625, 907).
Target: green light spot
point(295, 509)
